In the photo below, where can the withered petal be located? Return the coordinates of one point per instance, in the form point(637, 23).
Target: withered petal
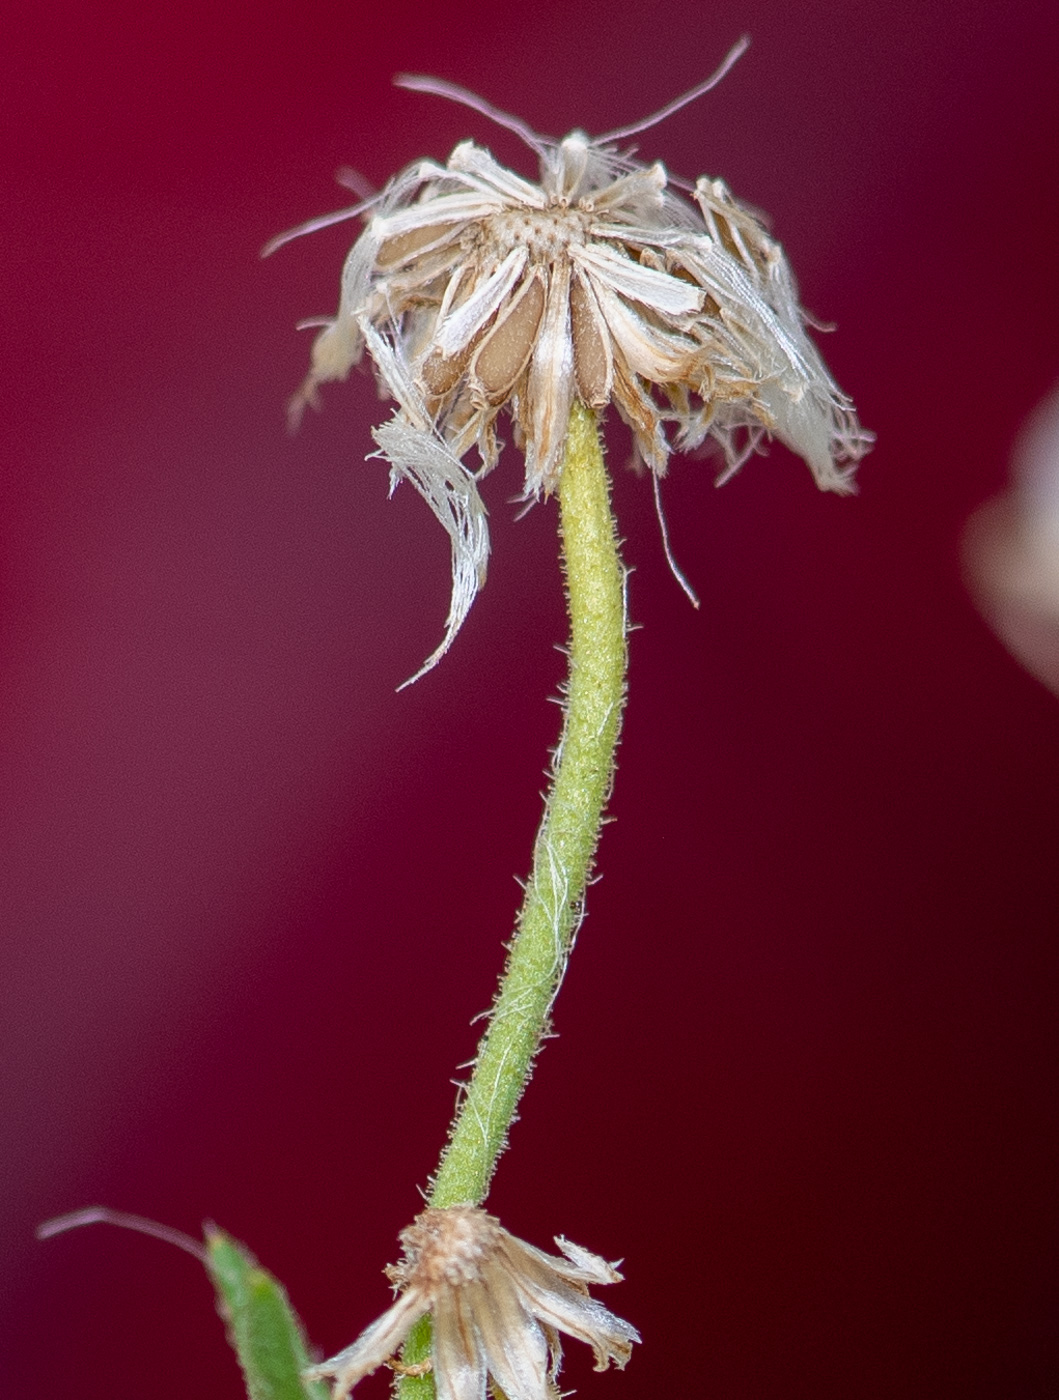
point(459, 1365)
point(516, 1351)
point(374, 1345)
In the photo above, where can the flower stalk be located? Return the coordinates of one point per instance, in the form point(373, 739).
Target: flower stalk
point(581, 778)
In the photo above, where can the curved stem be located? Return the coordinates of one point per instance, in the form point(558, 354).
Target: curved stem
point(566, 841)
point(581, 777)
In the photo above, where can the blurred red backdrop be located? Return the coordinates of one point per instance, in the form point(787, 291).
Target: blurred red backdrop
point(252, 897)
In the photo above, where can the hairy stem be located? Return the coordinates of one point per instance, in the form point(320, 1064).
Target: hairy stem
point(581, 777)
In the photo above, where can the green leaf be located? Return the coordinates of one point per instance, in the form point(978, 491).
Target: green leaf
point(262, 1326)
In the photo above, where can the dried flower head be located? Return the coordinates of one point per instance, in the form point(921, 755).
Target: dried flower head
point(476, 291)
point(497, 1305)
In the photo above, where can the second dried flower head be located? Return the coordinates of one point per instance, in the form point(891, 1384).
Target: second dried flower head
point(497, 1306)
point(476, 291)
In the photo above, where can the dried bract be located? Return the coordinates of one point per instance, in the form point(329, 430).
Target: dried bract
point(477, 291)
point(497, 1306)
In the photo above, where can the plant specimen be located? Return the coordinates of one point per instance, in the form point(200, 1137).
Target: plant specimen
point(483, 298)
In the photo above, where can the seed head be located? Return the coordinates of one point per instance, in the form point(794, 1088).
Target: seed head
point(479, 293)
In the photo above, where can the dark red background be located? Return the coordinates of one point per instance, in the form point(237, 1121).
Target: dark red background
point(252, 897)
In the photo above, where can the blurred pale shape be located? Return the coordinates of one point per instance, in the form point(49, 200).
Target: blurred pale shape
point(1012, 550)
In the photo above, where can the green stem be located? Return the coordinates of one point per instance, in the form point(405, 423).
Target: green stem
point(582, 773)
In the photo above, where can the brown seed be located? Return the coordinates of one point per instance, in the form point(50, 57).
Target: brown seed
point(440, 373)
point(592, 365)
point(506, 349)
point(403, 246)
